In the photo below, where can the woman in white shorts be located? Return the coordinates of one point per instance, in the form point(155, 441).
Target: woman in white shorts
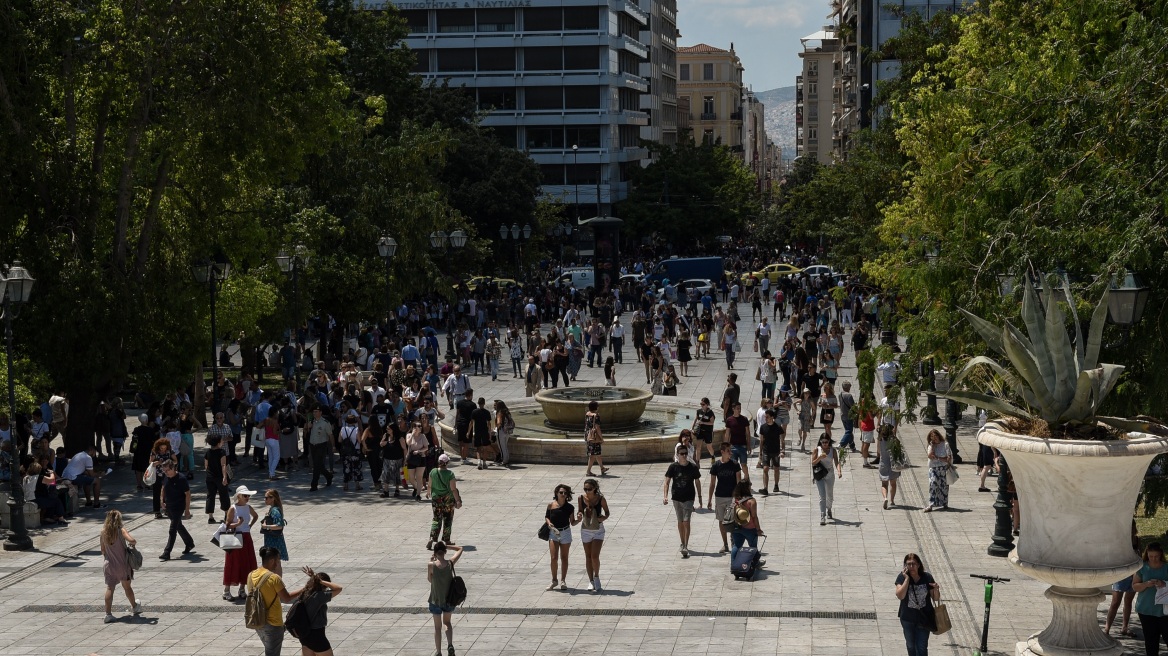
point(560, 517)
point(593, 512)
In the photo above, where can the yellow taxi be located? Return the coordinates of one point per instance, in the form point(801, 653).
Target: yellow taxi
point(773, 271)
point(474, 283)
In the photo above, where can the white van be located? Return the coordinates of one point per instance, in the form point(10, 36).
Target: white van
point(579, 277)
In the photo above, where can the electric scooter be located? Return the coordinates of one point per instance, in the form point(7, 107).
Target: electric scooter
point(989, 597)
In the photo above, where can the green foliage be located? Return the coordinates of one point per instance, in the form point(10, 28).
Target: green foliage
point(32, 385)
point(1038, 138)
point(687, 189)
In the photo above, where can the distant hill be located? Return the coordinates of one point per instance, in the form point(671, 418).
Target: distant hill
point(779, 105)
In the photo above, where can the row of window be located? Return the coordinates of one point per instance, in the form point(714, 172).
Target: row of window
point(707, 72)
point(583, 175)
point(547, 58)
point(531, 19)
point(540, 98)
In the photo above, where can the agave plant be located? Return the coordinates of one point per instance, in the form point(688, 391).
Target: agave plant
point(1052, 378)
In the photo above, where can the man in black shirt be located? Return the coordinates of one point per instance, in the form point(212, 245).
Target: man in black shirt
point(176, 503)
point(463, 409)
point(731, 395)
point(771, 438)
point(481, 426)
point(686, 486)
point(724, 475)
point(813, 381)
point(704, 430)
point(393, 452)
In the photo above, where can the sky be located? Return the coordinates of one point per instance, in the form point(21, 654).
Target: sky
point(765, 33)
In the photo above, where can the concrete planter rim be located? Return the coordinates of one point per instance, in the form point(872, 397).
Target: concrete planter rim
point(1138, 444)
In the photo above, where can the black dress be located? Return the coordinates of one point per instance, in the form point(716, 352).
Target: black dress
point(683, 346)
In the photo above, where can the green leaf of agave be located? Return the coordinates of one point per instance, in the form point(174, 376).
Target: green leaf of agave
point(1061, 354)
point(988, 331)
point(1036, 331)
point(1082, 408)
point(989, 403)
point(1011, 379)
point(1133, 425)
point(1095, 333)
point(1107, 382)
point(1030, 370)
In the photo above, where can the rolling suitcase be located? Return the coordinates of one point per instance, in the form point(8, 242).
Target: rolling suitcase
point(746, 561)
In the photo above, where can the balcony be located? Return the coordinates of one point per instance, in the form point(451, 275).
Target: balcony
point(633, 10)
point(632, 45)
point(850, 100)
point(710, 116)
point(736, 116)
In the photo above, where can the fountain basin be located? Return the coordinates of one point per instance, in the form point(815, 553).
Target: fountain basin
point(619, 407)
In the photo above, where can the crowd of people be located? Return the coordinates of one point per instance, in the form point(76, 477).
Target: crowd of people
point(371, 411)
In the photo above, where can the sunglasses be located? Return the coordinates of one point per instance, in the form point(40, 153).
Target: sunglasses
point(589, 489)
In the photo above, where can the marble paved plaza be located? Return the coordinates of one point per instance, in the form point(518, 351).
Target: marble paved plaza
point(824, 589)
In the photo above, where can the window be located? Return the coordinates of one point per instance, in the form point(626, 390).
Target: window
point(417, 20)
point(542, 20)
point(582, 97)
point(630, 136)
point(707, 137)
point(544, 98)
point(812, 89)
point(496, 20)
point(551, 174)
point(812, 67)
point(707, 71)
point(543, 59)
point(456, 59)
point(707, 105)
point(581, 18)
point(545, 139)
point(583, 136)
point(629, 100)
point(500, 98)
point(627, 62)
point(581, 58)
point(812, 134)
point(423, 61)
point(456, 20)
point(685, 72)
point(496, 59)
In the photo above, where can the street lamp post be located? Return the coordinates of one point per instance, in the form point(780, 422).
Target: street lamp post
point(518, 236)
point(15, 289)
point(291, 264)
point(576, 180)
point(213, 272)
point(440, 241)
point(930, 416)
point(562, 232)
point(387, 248)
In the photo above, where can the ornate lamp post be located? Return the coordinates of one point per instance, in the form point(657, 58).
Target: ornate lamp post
point(213, 273)
point(15, 288)
point(291, 264)
point(1125, 303)
point(387, 248)
point(440, 241)
point(562, 232)
point(518, 236)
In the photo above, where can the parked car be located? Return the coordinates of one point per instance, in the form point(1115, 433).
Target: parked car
point(631, 279)
point(488, 281)
point(817, 270)
point(703, 285)
point(685, 268)
point(773, 271)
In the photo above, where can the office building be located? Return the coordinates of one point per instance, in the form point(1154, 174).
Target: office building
point(815, 95)
point(661, 72)
point(553, 75)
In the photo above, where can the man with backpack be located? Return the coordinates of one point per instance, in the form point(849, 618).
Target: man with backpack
point(261, 610)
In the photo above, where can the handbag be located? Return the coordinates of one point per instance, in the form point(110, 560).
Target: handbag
point(545, 532)
point(230, 542)
point(133, 557)
point(257, 438)
point(819, 471)
point(737, 347)
point(827, 415)
point(951, 475)
point(941, 623)
point(456, 593)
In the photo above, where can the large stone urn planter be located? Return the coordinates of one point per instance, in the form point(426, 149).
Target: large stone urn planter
point(1075, 501)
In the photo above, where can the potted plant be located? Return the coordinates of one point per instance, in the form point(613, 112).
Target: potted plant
point(1077, 473)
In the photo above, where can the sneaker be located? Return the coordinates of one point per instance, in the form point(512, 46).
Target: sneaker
point(829, 514)
point(450, 651)
point(776, 488)
point(384, 494)
point(724, 550)
point(563, 586)
point(227, 596)
point(211, 520)
point(928, 508)
point(164, 556)
point(552, 586)
point(109, 619)
point(886, 504)
point(822, 521)
point(763, 491)
point(395, 493)
point(137, 608)
point(596, 584)
point(684, 552)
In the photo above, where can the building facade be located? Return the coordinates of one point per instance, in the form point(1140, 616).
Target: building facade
point(711, 78)
point(815, 93)
point(661, 72)
point(562, 80)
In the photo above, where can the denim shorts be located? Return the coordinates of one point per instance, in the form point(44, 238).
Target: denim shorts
point(738, 453)
point(435, 609)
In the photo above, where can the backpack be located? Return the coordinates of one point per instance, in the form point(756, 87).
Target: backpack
point(456, 594)
point(297, 621)
point(255, 613)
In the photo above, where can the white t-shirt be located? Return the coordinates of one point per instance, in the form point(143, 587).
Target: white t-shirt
point(77, 466)
point(889, 411)
point(888, 371)
point(764, 330)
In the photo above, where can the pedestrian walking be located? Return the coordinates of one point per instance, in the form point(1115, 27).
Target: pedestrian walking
point(1152, 576)
point(115, 543)
point(770, 447)
point(504, 428)
point(482, 435)
point(610, 372)
point(940, 461)
point(560, 516)
point(729, 343)
point(703, 427)
point(393, 456)
point(444, 499)
point(273, 523)
point(352, 449)
point(160, 455)
point(724, 477)
point(1122, 591)
point(825, 467)
point(683, 484)
point(828, 402)
point(320, 437)
point(238, 563)
point(440, 574)
point(593, 510)
point(318, 591)
point(594, 438)
point(888, 475)
point(747, 528)
point(176, 503)
point(215, 464)
point(916, 590)
point(268, 582)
